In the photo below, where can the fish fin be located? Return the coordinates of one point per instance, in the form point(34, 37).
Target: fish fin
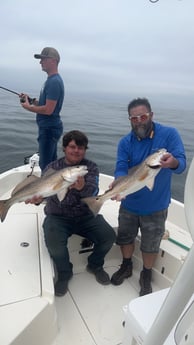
point(4, 207)
point(24, 183)
point(150, 184)
point(58, 185)
point(61, 194)
point(94, 203)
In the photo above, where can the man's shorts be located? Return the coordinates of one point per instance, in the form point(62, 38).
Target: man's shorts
point(152, 228)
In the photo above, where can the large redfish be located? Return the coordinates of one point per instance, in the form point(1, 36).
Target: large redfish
point(138, 177)
point(53, 182)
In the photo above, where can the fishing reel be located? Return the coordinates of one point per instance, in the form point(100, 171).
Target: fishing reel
point(30, 100)
point(22, 98)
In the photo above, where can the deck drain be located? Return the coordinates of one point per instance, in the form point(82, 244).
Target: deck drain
point(24, 244)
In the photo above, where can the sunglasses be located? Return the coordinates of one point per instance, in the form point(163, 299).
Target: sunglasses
point(139, 118)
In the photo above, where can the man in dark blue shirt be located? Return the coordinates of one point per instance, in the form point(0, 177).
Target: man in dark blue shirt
point(48, 107)
point(145, 210)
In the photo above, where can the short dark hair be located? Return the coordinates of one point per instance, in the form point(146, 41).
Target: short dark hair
point(79, 138)
point(139, 101)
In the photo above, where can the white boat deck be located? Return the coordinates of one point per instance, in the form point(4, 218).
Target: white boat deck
point(89, 314)
point(92, 314)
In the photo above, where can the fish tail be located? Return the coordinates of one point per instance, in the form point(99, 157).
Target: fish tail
point(4, 207)
point(94, 204)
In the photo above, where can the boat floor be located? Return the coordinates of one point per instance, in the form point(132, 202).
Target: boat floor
point(89, 313)
point(92, 314)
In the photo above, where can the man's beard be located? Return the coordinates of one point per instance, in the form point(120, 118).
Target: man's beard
point(142, 131)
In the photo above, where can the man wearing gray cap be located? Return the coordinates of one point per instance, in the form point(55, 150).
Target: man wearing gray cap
point(48, 107)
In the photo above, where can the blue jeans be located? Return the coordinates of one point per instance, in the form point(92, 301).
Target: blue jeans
point(58, 229)
point(48, 139)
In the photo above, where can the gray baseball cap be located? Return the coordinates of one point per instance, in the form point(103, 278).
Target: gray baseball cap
point(48, 52)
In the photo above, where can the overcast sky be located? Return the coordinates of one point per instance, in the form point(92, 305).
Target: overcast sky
point(108, 46)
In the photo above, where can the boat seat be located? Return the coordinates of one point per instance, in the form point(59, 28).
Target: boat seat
point(179, 236)
point(141, 312)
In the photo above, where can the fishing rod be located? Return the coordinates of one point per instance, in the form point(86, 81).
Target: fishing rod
point(4, 88)
point(22, 99)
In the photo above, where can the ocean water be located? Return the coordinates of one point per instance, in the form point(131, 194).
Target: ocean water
point(103, 119)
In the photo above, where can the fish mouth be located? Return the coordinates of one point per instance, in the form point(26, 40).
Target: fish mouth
point(157, 166)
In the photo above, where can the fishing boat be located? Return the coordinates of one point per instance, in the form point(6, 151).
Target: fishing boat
point(90, 313)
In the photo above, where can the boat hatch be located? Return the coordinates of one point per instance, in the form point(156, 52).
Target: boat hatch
point(19, 264)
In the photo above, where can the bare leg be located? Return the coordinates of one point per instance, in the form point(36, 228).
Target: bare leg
point(149, 259)
point(127, 250)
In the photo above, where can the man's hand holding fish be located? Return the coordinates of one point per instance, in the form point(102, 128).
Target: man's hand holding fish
point(168, 161)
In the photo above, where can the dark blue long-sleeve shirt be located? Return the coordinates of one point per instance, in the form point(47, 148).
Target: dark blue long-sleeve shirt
point(132, 151)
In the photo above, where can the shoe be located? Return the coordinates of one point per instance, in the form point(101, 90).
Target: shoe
point(101, 276)
point(145, 283)
point(61, 286)
point(125, 271)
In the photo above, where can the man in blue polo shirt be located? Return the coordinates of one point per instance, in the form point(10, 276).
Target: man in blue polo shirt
point(145, 210)
point(48, 107)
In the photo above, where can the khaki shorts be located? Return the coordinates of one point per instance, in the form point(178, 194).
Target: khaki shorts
point(152, 228)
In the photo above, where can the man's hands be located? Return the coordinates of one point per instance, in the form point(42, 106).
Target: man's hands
point(169, 161)
point(27, 101)
point(116, 197)
point(34, 200)
point(79, 184)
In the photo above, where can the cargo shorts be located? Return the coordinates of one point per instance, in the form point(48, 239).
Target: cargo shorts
point(152, 228)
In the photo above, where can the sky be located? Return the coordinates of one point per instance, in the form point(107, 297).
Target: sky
point(112, 47)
